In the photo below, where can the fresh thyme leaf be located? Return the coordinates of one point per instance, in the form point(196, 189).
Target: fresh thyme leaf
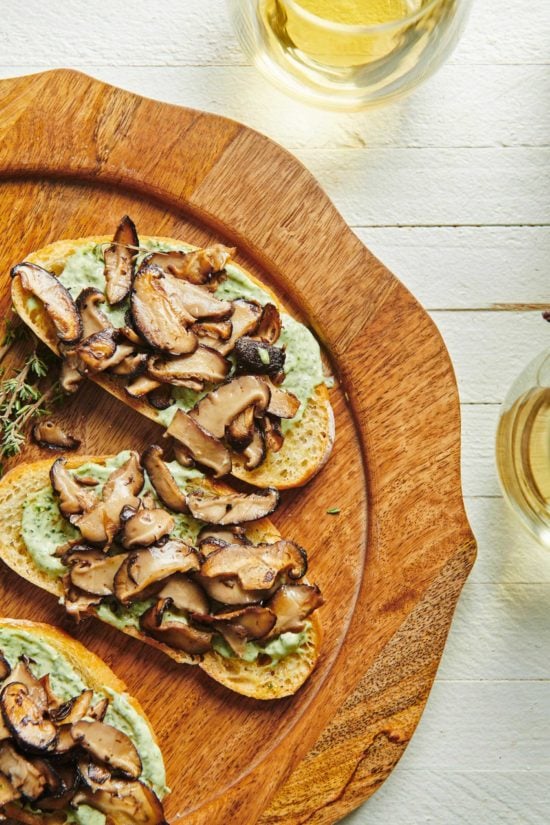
point(333, 511)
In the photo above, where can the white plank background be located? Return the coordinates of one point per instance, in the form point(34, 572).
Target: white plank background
point(450, 188)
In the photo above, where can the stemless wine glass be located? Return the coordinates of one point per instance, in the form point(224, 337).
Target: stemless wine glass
point(348, 54)
point(523, 447)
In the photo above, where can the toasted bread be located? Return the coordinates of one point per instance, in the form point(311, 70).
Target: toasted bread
point(250, 679)
point(307, 444)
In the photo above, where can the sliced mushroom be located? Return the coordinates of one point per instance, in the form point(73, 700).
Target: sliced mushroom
point(77, 602)
point(269, 328)
point(255, 453)
point(53, 701)
point(67, 780)
point(273, 435)
point(239, 626)
point(94, 776)
point(256, 358)
point(141, 386)
point(74, 710)
point(94, 352)
point(161, 397)
point(161, 319)
point(176, 634)
point(197, 266)
point(70, 378)
point(205, 364)
point(182, 455)
point(283, 404)
point(229, 535)
point(22, 774)
point(128, 332)
point(146, 527)
point(93, 319)
point(100, 709)
point(125, 802)
point(256, 567)
point(100, 524)
point(58, 301)
point(120, 355)
point(109, 745)
point(132, 365)
point(162, 480)
point(217, 410)
point(22, 674)
point(204, 448)
point(213, 329)
point(240, 432)
point(232, 508)
point(292, 604)
point(184, 594)
point(119, 261)
point(144, 568)
point(49, 434)
point(93, 571)
point(244, 320)
point(31, 730)
point(73, 498)
point(197, 301)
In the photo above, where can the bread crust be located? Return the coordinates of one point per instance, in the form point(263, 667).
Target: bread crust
point(28, 478)
point(283, 470)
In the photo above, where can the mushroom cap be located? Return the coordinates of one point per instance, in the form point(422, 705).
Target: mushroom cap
point(146, 527)
point(126, 802)
point(232, 508)
point(25, 720)
point(73, 498)
point(146, 567)
point(51, 435)
point(217, 410)
point(203, 447)
point(184, 594)
point(162, 479)
point(93, 319)
point(162, 321)
point(58, 301)
point(256, 567)
point(179, 635)
point(119, 261)
point(204, 364)
point(292, 604)
point(109, 745)
point(93, 571)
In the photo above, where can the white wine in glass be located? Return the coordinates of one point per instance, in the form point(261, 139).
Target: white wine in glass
point(347, 54)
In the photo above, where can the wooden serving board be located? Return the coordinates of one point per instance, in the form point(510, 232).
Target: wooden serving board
point(75, 155)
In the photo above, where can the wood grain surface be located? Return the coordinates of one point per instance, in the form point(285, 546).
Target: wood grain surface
point(74, 155)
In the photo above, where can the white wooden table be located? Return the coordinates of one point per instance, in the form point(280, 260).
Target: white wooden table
point(451, 189)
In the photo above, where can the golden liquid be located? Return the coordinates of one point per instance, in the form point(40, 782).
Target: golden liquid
point(523, 457)
point(298, 32)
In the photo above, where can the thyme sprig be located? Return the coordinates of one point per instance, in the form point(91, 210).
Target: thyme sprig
point(24, 395)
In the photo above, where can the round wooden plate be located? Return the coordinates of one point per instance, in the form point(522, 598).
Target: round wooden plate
point(75, 155)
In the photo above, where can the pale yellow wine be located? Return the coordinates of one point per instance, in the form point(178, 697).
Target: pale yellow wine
point(331, 47)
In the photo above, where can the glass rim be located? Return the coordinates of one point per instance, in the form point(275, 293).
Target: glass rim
point(357, 28)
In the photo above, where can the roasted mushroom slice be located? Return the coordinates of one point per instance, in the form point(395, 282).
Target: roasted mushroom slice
point(5, 668)
point(132, 365)
point(124, 801)
point(197, 266)
point(109, 745)
point(240, 432)
point(49, 434)
point(93, 775)
point(270, 325)
point(70, 378)
point(73, 498)
point(292, 604)
point(93, 571)
point(162, 479)
point(282, 404)
point(213, 329)
point(196, 300)
point(244, 320)
point(256, 567)
point(184, 594)
point(161, 397)
point(240, 626)
point(255, 453)
point(99, 709)
point(7, 792)
point(145, 527)
point(94, 352)
point(141, 386)
point(144, 568)
point(93, 319)
point(74, 710)
point(77, 602)
point(161, 319)
point(22, 774)
point(22, 674)
point(229, 535)
point(273, 434)
point(217, 410)
point(232, 508)
point(182, 454)
point(204, 448)
point(119, 261)
point(256, 358)
point(58, 301)
point(176, 634)
point(26, 721)
point(205, 364)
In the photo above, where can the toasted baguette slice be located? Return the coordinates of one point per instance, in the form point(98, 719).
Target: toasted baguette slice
point(307, 445)
point(269, 683)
